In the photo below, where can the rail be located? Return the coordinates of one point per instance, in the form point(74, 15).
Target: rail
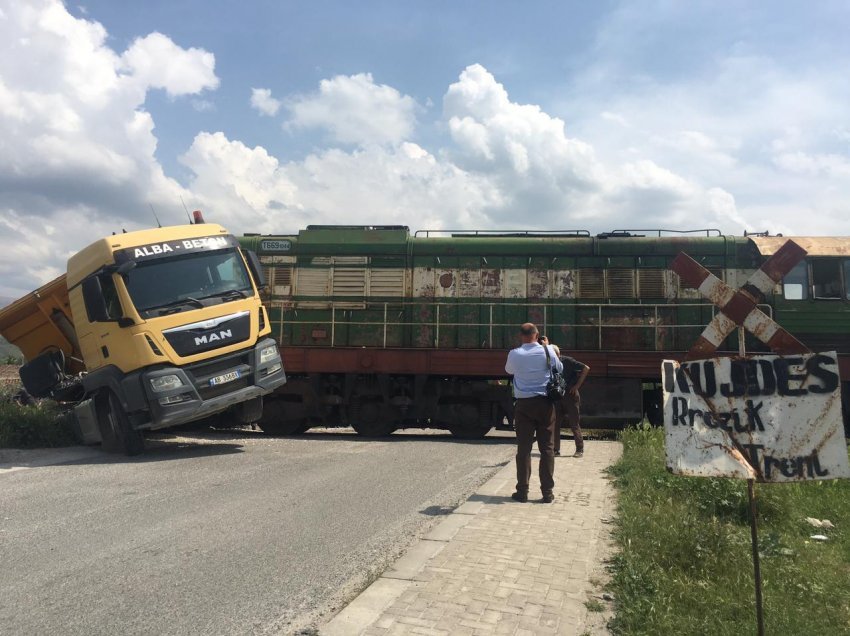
point(655, 321)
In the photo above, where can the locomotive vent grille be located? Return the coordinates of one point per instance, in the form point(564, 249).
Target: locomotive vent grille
point(269, 273)
point(386, 281)
point(621, 282)
point(651, 283)
point(349, 279)
point(591, 283)
point(314, 281)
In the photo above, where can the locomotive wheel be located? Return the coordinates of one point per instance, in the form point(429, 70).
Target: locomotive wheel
point(478, 432)
point(115, 429)
point(653, 407)
point(369, 420)
point(276, 422)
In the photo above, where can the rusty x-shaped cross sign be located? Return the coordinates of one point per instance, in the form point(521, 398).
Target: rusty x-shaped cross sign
point(739, 307)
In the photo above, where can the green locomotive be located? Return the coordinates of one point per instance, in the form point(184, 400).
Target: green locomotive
point(381, 329)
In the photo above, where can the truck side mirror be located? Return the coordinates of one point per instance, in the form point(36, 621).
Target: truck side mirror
point(94, 300)
point(256, 268)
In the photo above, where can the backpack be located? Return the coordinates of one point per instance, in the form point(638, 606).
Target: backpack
point(556, 387)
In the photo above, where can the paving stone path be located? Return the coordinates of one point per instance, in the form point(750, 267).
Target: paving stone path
point(496, 566)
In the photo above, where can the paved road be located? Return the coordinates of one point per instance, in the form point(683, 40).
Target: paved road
point(221, 533)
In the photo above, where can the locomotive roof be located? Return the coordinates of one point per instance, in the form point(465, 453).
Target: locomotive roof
point(814, 245)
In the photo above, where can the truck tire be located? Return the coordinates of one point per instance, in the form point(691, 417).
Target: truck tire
point(250, 411)
point(115, 429)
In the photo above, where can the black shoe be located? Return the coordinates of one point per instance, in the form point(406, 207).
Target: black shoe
point(557, 453)
point(579, 454)
point(549, 498)
point(522, 497)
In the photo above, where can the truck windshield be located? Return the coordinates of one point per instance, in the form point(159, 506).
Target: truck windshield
point(180, 283)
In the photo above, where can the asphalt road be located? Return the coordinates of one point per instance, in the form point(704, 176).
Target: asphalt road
point(222, 533)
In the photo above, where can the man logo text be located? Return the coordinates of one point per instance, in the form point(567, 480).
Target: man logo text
point(207, 338)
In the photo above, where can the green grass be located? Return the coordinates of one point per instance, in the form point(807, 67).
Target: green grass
point(685, 565)
point(32, 426)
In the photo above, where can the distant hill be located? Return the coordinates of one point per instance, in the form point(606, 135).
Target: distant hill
point(7, 350)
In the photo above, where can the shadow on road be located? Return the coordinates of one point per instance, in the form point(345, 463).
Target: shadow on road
point(347, 435)
point(160, 450)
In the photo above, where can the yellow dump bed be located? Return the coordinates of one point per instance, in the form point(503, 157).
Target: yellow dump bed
point(41, 321)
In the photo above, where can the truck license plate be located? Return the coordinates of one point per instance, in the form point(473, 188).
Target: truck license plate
point(224, 378)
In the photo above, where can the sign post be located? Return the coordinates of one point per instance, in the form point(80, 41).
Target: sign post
point(767, 418)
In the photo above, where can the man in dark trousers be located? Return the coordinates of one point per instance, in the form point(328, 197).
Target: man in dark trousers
point(534, 414)
point(570, 407)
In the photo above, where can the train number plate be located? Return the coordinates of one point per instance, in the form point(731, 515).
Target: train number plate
point(224, 378)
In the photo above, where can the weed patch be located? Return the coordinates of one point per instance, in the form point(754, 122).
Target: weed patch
point(684, 564)
point(39, 426)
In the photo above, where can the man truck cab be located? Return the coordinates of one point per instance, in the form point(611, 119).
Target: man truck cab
point(147, 330)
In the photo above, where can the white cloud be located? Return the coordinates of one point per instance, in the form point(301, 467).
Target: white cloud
point(375, 185)
point(203, 105)
point(746, 143)
point(355, 110)
point(157, 62)
point(262, 100)
point(76, 145)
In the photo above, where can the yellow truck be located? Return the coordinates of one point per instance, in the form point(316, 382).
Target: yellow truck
point(147, 330)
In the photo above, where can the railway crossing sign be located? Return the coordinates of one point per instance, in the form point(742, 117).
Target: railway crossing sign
point(769, 418)
point(738, 308)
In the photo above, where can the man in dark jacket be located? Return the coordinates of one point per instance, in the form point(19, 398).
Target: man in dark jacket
point(574, 373)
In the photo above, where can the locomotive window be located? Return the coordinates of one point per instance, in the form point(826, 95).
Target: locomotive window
point(826, 278)
point(795, 285)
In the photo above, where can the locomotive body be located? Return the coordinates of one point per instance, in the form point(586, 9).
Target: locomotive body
point(382, 329)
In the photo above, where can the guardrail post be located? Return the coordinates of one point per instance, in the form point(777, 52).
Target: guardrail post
point(333, 324)
point(385, 325)
point(491, 326)
point(599, 328)
point(656, 328)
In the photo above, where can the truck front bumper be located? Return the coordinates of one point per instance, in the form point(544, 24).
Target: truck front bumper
point(213, 386)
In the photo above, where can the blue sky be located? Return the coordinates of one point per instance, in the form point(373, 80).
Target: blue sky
point(596, 115)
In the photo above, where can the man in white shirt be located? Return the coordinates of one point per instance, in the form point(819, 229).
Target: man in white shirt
point(534, 414)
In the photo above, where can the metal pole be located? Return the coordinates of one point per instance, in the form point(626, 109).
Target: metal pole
point(437, 339)
point(756, 564)
point(385, 325)
point(491, 325)
point(655, 333)
point(599, 328)
point(754, 535)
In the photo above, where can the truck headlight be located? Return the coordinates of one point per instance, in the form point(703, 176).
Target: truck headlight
point(268, 354)
point(166, 382)
point(277, 366)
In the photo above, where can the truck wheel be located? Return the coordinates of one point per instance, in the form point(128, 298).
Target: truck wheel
point(115, 429)
point(478, 432)
point(250, 411)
